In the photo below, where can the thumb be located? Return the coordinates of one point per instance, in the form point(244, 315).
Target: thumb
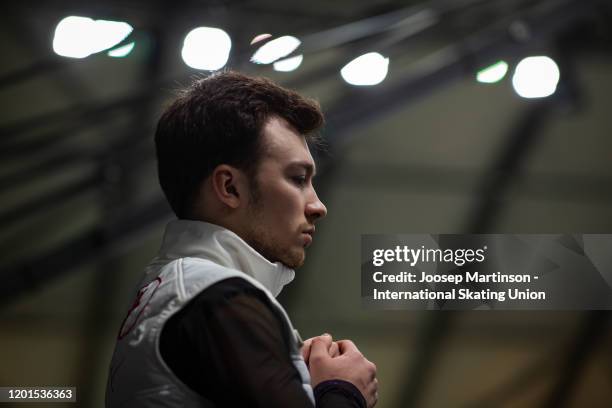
point(306, 350)
point(318, 350)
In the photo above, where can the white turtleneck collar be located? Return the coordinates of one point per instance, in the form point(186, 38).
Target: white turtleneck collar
point(197, 239)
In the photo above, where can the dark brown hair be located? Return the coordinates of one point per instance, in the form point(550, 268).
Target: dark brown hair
point(219, 120)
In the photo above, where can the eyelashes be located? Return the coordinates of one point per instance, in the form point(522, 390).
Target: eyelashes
point(299, 180)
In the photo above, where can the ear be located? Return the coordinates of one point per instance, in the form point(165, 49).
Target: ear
point(228, 183)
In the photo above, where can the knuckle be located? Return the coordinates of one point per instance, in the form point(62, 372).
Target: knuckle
point(346, 342)
point(316, 359)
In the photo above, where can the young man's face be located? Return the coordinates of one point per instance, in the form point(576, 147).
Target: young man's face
point(285, 205)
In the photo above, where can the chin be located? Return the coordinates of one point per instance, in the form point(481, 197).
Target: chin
point(294, 258)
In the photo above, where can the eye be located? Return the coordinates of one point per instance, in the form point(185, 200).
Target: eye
point(299, 180)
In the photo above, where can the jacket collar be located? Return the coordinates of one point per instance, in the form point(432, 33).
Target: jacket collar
point(197, 239)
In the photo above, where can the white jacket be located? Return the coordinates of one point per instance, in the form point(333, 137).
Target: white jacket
point(194, 255)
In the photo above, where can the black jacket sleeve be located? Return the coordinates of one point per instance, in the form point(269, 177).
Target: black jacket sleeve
point(228, 345)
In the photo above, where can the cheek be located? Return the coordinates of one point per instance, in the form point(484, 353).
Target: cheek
point(286, 203)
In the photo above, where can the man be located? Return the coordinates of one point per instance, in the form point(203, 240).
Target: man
point(205, 329)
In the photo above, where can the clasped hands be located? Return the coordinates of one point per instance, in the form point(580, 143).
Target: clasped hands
point(340, 360)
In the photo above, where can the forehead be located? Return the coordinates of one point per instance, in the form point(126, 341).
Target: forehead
point(281, 143)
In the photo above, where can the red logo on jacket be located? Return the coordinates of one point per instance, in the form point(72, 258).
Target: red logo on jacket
point(143, 297)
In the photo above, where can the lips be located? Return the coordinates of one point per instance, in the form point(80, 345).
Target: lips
point(307, 239)
point(307, 236)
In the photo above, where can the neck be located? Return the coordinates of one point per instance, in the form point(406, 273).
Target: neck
point(199, 239)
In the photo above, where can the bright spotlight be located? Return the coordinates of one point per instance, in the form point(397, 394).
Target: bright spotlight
point(108, 34)
point(79, 37)
point(68, 40)
point(368, 69)
point(288, 64)
point(275, 49)
point(493, 73)
point(206, 48)
point(121, 51)
point(260, 37)
point(536, 77)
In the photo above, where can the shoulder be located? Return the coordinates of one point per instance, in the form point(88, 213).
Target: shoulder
point(233, 299)
point(197, 275)
point(232, 305)
point(231, 288)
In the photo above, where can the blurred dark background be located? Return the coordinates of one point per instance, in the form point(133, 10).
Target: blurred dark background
point(430, 149)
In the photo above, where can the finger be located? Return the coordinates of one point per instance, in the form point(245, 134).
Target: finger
point(318, 350)
point(372, 387)
point(334, 350)
point(306, 350)
point(372, 391)
point(327, 339)
point(372, 367)
point(346, 346)
point(372, 398)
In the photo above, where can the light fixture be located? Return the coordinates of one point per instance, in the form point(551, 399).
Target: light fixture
point(121, 52)
point(367, 69)
point(288, 64)
point(206, 48)
point(536, 77)
point(260, 37)
point(79, 37)
point(493, 73)
point(275, 49)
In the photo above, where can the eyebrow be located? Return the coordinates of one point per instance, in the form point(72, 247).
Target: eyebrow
point(309, 167)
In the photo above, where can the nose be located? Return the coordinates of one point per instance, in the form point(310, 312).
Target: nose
point(315, 209)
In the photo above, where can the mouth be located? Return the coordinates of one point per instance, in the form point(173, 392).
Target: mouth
point(307, 239)
point(307, 236)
